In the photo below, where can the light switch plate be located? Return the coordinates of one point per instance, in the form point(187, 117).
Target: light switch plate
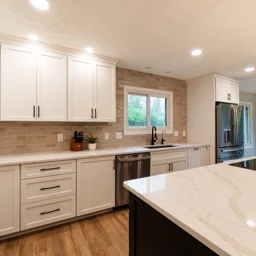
point(106, 136)
point(184, 133)
point(176, 133)
point(60, 137)
point(118, 135)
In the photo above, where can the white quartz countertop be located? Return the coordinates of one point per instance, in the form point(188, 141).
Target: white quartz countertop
point(69, 155)
point(215, 204)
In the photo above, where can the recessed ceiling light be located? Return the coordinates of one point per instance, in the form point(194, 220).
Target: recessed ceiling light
point(89, 49)
point(249, 69)
point(148, 67)
point(168, 71)
point(33, 37)
point(196, 52)
point(40, 4)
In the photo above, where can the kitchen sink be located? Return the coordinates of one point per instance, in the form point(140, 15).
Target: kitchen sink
point(161, 146)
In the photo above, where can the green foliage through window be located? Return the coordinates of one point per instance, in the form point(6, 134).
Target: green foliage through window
point(138, 108)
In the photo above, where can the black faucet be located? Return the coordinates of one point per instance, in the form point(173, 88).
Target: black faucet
point(154, 136)
point(163, 140)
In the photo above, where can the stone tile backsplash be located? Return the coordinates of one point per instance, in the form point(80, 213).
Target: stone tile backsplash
point(29, 137)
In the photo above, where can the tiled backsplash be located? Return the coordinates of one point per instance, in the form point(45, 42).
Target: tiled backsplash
point(27, 137)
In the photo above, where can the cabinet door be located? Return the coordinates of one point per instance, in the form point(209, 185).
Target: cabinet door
point(195, 157)
point(221, 90)
point(51, 87)
point(206, 155)
point(18, 83)
point(178, 165)
point(95, 185)
point(105, 93)
point(9, 200)
point(80, 90)
point(233, 91)
point(160, 167)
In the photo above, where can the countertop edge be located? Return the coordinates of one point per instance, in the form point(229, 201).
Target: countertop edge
point(10, 160)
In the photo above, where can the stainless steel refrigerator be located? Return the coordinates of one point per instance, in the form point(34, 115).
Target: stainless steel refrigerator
point(229, 132)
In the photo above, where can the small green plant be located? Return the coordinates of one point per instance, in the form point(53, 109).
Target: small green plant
point(91, 139)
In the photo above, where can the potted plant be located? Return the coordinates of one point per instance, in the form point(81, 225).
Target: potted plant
point(91, 142)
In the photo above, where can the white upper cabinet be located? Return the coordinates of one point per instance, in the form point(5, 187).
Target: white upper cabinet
point(51, 87)
point(80, 90)
point(41, 86)
point(227, 91)
point(18, 83)
point(233, 91)
point(91, 91)
point(105, 93)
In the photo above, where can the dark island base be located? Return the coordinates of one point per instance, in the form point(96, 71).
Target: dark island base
point(152, 234)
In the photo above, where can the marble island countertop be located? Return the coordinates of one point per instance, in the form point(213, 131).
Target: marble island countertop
point(215, 204)
point(70, 155)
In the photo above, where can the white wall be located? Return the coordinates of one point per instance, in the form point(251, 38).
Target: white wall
point(250, 97)
point(248, 85)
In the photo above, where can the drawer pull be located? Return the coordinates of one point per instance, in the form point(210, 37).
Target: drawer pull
point(43, 213)
point(50, 169)
point(50, 187)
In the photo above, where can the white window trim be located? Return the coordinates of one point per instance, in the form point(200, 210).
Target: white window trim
point(151, 92)
point(249, 105)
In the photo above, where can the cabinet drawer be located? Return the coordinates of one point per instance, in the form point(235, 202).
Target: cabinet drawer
point(33, 190)
point(48, 211)
point(173, 154)
point(47, 169)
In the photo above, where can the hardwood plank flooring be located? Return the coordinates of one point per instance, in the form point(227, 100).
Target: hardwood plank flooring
point(102, 235)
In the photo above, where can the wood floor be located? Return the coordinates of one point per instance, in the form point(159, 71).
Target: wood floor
point(106, 234)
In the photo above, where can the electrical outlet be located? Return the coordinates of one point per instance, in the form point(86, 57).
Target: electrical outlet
point(118, 135)
point(106, 136)
point(60, 137)
point(184, 133)
point(176, 133)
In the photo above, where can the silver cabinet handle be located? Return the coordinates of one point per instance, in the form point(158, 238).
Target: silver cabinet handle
point(196, 149)
point(42, 213)
point(95, 113)
point(34, 111)
point(169, 167)
point(38, 111)
point(229, 96)
point(92, 113)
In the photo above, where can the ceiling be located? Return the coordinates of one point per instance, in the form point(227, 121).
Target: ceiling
point(160, 34)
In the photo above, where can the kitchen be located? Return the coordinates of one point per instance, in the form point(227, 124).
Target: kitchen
point(83, 111)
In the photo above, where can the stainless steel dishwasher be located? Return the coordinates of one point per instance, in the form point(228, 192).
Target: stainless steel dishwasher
point(129, 167)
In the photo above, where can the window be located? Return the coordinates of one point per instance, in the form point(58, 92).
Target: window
point(248, 135)
point(144, 108)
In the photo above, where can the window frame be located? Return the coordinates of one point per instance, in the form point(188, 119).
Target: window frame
point(149, 93)
point(250, 125)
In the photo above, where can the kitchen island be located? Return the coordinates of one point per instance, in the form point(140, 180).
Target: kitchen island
point(204, 211)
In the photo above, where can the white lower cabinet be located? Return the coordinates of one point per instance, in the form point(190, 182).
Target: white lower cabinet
point(9, 200)
point(33, 190)
point(95, 185)
point(47, 212)
point(195, 157)
point(160, 167)
point(206, 154)
point(168, 161)
point(178, 165)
